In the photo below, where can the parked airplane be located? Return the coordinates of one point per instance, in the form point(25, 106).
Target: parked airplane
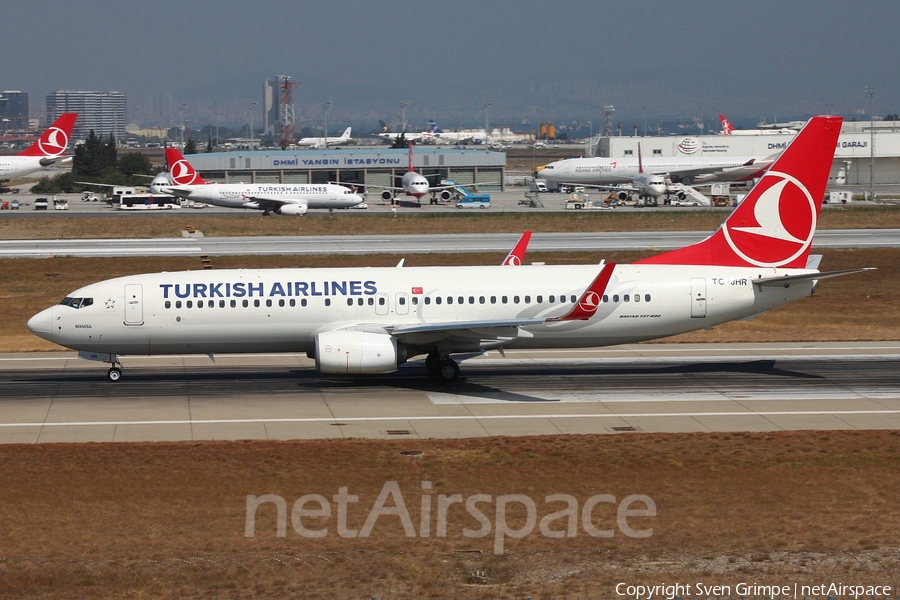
point(357, 321)
point(650, 186)
point(728, 129)
point(440, 136)
point(597, 170)
point(279, 198)
point(48, 150)
point(324, 142)
point(416, 185)
point(392, 136)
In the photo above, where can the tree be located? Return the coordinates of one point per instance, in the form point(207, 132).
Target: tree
point(190, 146)
point(400, 141)
point(135, 163)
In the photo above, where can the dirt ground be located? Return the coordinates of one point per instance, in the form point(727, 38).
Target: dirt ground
point(147, 520)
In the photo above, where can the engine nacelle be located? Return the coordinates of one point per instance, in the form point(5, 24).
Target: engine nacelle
point(292, 209)
point(446, 195)
point(387, 195)
point(681, 195)
point(357, 353)
point(622, 196)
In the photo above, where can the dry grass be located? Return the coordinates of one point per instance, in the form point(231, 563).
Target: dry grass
point(855, 307)
point(410, 221)
point(788, 505)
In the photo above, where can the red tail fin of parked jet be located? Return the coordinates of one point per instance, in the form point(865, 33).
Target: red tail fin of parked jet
point(727, 127)
point(54, 141)
point(775, 224)
point(180, 170)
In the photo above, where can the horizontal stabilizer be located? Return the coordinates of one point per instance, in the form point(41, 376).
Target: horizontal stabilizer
point(788, 279)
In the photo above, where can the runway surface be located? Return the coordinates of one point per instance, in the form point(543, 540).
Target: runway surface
point(54, 397)
point(407, 244)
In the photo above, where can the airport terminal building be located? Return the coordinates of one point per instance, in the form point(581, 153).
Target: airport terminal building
point(376, 167)
point(856, 145)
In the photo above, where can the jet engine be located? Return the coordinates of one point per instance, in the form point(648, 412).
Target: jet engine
point(622, 196)
point(387, 195)
point(446, 195)
point(357, 353)
point(292, 209)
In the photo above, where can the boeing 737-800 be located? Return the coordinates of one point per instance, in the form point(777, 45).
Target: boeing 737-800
point(279, 198)
point(48, 150)
point(355, 321)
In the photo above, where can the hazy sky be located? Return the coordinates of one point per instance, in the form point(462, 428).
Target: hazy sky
point(534, 60)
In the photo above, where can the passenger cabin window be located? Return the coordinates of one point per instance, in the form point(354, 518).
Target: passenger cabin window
point(646, 297)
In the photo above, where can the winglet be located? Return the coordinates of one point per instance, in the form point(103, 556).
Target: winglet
point(54, 141)
point(591, 298)
point(517, 254)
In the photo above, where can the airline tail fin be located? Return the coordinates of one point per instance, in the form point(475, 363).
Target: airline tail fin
point(384, 128)
point(517, 254)
point(727, 127)
point(346, 134)
point(434, 127)
point(54, 141)
point(775, 224)
point(180, 170)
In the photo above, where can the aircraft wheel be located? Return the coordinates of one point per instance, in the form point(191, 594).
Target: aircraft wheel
point(448, 370)
point(114, 374)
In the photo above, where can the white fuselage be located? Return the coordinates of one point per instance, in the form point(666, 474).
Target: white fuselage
point(283, 310)
point(242, 195)
point(17, 166)
point(624, 170)
point(414, 184)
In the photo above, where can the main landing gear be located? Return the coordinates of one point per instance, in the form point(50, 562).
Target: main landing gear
point(115, 371)
point(443, 368)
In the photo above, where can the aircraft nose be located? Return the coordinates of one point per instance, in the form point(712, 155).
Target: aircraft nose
point(41, 324)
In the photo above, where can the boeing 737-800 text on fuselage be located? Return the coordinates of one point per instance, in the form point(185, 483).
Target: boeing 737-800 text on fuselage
point(371, 320)
point(280, 198)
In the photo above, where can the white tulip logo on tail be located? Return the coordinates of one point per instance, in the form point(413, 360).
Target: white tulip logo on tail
point(785, 222)
point(53, 142)
point(183, 173)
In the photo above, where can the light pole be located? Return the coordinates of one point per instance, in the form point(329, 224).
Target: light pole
point(403, 105)
point(487, 132)
point(252, 107)
point(182, 107)
point(325, 107)
point(870, 89)
point(590, 152)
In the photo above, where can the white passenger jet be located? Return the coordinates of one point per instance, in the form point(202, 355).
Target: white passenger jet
point(598, 170)
point(48, 150)
point(439, 136)
point(415, 185)
point(356, 321)
point(324, 142)
point(278, 198)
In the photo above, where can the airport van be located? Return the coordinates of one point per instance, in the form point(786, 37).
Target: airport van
point(41, 204)
point(474, 201)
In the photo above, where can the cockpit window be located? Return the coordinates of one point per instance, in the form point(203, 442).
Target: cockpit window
point(76, 302)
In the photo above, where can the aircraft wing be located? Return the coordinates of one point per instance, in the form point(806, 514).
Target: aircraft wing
point(269, 203)
point(786, 280)
point(438, 188)
point(49, 161)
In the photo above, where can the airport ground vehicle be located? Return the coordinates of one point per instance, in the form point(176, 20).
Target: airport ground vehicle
point(582, 201)
point(41, 204)
point(14, 204)
point(474, 201)
point(4, 205)
point(60, 204)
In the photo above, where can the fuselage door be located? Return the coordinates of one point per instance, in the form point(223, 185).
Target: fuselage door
point(402, 303)
point(381, 304)
point(698, 297)
point(134, 304)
